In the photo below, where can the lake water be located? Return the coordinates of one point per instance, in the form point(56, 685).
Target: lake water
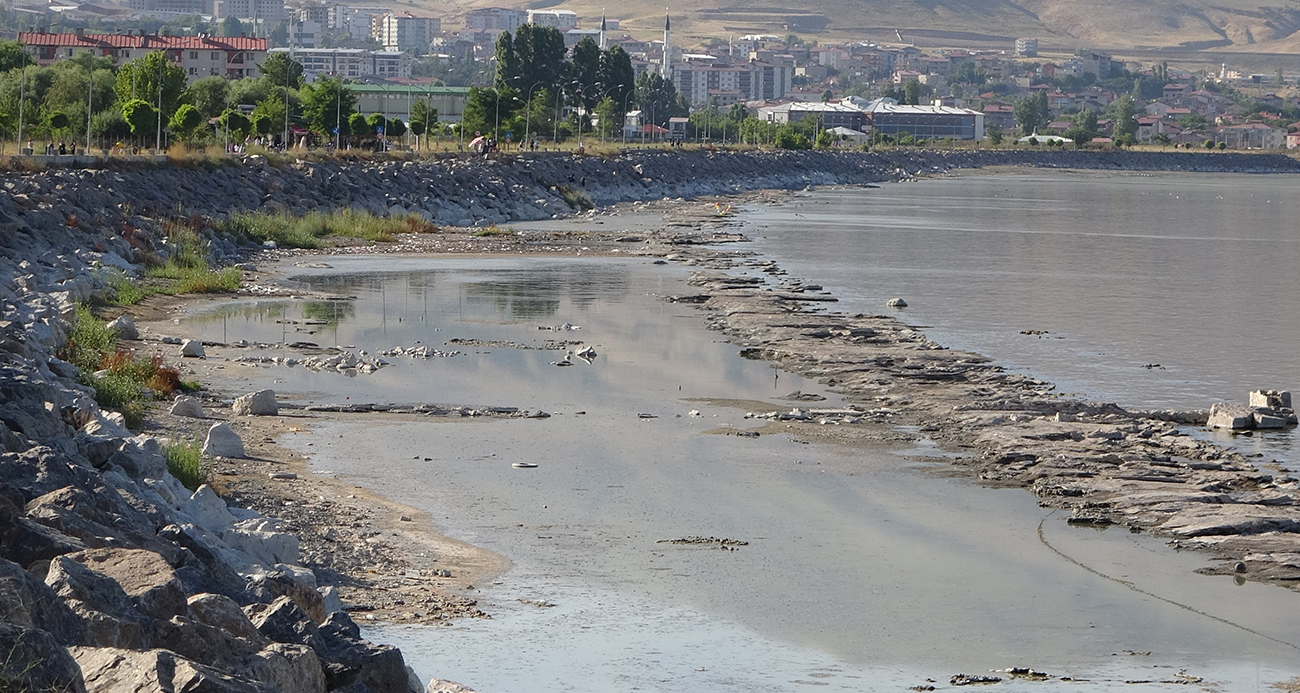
point(863, 571)
point(1198, 275)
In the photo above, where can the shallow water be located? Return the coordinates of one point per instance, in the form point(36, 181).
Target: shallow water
point(1193, 274)
point(863, 570)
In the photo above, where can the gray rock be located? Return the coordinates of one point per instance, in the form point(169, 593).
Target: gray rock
point(1266, 421)
point(223, 442)
point(207, 510)
point(192, 348)
point(109, 616)
point(29, 603)
point(223, 613)
point(114, 670)
point(35, 661)
point(187, 406)
point(1231, 416)
point(445, 686)
point(896, 303)
point(124, 328)
point(144, 576)
point(1273, 399)
point(260, 403)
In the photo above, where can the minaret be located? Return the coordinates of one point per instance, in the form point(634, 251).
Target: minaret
point(603, 44)
point(668, 49)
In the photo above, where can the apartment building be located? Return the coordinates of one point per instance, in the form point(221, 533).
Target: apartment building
point(232, 57)
point(351, 63)
point(404, 31)
point(560, 19)
point(267, 12)
point(494, 20)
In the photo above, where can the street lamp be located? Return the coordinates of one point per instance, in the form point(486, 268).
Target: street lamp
point(602, 98)
point(626, 101)
point(528, 109)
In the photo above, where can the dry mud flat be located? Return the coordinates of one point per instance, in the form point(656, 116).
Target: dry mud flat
point(1101, 463)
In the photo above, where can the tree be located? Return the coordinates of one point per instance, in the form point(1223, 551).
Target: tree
point(186, 120)
point(482, 110)
point(141, 116)
point(238, 124)
point(658, 98)
point(279, 35)
point(1193, 121)
point(540, 52)
point(1209, 144)
point(1223, 146)
point(376, 122)
point(142, 78)
point(262, 124)
point(1084, 128)
point(608, 120)
point(326, 104)
point(208, 95)
point(110, 125)
point(618, 76)
point(423, 119)
point(395, 128)
point(278, 69)
point(58, 121)
point(1031, 112)
point(994, 135)
point(912, 92)
point(787, 138)
point(1162, 139)
point(247, 92)
point(13, 55)
point(508, 68)
point(231, 26)
point(357, 125)
point(1125, 118)
point(584, 73)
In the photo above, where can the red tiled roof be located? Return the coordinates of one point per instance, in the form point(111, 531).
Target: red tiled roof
point(229, 43)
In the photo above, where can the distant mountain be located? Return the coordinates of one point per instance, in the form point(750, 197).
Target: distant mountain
point(1217, 25)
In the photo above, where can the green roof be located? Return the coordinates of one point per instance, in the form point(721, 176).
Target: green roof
point(405, 88)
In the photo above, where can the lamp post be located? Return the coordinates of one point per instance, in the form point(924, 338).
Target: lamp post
point(22, 98)
point(626, 101)
point(602, 98)
point(528, 109)
point(90, 97)
point(157, 145)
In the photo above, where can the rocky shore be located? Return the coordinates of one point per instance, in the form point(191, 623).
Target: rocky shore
point(116, 577)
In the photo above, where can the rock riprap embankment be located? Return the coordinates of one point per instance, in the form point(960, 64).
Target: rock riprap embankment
point(114, 576)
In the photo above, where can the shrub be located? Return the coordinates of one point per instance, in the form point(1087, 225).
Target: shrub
point(185, 462)
point(305, 232)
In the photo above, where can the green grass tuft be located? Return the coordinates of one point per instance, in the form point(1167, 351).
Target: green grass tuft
point(492, 230)
point(306, 232)
point(185, 462)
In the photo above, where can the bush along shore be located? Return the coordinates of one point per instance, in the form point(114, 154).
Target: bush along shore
point(117, 576)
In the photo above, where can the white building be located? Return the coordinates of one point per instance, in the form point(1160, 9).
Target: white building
point(350, 62)
point(494, 20)
point(1027, 47)
point(404, 31)
point(304, 34)
point(356, 21)
point(560, 19)
point(266, 13)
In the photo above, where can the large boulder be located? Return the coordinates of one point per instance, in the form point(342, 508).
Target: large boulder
point(123, 328)
point(35, 661)
point(108, 615)
point(193, 348)
point(27, 602)
point(1231, 416)
point(351, 659)
point(187, 406)
point(223, 442)
point(223, 613)
point(260, 403)
point(144, 576)
point(111, 670)
point(1271, 399)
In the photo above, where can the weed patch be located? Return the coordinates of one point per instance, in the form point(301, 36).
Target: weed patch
point(185, 462)
point(306, 232)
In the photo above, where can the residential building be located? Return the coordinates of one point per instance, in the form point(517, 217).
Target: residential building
point(705, 78)
point(398, 99)
point(404, 31)
point(356, 21)
point(351, 63)
point(304, 33)
point(560, 19)
point(494, 20)
point(1251, 136)
point(1027, 47)
point(233, 57)
point(266, 12)
point(1001, 115)
point(313, 13)
point(166, 7)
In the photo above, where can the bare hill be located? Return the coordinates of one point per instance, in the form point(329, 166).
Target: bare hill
point(1255, 26)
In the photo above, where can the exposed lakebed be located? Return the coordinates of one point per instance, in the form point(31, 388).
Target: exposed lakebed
point(862, 569)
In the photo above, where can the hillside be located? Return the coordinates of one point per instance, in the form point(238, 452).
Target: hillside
point(1254, 26)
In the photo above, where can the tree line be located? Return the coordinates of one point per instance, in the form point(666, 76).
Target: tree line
point(147, 99)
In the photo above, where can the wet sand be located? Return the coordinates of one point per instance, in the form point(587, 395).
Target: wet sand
point(860, 562)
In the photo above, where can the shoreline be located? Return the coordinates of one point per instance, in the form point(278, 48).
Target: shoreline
point(1101, 463)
